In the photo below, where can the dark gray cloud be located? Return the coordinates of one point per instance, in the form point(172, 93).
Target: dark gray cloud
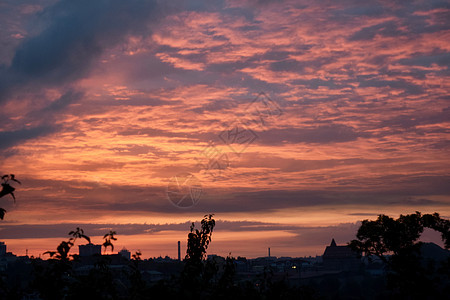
point(75, 34)
point(259, 160)
point(328, 133)
point(42, 121)
point(410, 121)
point(265, 201)
point(292, 65)
point(387, 29)
point(89, 198)
point(215, 105)
point(371, 9)
point(61, 230)
point(287, 65)
point(62, 102)
point(427, 59)
point(333, 133)
point(11, 138)
point(408, 87)
point(317, 82)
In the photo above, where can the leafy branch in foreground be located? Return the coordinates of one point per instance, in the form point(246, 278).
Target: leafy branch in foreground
point(62, 251)
point(7, 189)
point(108, 237)
point(57, 278)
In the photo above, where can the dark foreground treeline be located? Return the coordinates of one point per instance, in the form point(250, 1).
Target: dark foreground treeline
point(406, 274)
point(54, 279)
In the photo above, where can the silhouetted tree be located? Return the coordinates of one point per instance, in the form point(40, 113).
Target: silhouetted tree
point(395, 242)
point(386, 235)
point(194, 279)
point(198, 240)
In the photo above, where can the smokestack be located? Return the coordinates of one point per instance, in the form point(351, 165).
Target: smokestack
point(179, 251)
point(269, 251)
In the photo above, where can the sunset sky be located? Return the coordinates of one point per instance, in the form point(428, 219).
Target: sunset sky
point(343, 106)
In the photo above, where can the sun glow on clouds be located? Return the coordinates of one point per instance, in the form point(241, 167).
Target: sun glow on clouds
point(364, 125)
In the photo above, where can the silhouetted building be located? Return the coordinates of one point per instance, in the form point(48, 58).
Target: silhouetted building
point(340, 258)
point(216, 258)
point(2, 248)
point(125, 253)
point(89, 249)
